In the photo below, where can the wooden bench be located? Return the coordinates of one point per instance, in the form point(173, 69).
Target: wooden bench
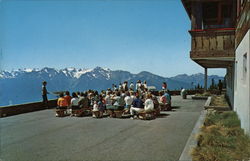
point(61, 112)
point(77, 112)
point(111, 113)
point(158, 111)
point(165, 107)
point(118, 113)
point(96, 114)
point(150, 115)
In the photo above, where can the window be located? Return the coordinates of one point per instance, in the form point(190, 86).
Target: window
point(244, 67)
point(235, 75)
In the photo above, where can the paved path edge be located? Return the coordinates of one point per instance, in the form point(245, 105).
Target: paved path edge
point(192, 141)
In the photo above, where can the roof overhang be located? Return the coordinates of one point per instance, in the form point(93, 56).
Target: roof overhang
point(215, 63)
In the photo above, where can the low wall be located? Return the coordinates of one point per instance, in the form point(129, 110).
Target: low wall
point(24, 108)
point(193, 92)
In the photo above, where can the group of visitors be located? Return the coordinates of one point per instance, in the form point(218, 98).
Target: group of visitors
point(140, 86)
point(129, 100)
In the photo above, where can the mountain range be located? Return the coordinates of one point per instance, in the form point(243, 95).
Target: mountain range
point(24, 85)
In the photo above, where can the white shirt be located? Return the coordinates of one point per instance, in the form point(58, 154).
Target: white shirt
point(149, 104)
point(138, 85)
point(108, 100)
point(116, 98)
point(74, 101)
point(95, 107)
point(133, 97)
point(128, 100)
point(131, 86)
point(123, 85)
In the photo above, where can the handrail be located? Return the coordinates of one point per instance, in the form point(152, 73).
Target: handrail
point(215, 29)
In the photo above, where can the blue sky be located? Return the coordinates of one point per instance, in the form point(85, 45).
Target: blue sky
point(132, 35)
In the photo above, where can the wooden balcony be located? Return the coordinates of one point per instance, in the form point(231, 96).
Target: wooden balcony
point(213, 48)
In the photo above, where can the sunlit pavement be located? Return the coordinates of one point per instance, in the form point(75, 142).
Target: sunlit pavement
point(40, 136)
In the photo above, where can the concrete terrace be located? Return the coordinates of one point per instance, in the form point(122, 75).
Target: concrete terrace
point(40, 136)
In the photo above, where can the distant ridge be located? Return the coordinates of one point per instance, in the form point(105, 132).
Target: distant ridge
point(24, 85)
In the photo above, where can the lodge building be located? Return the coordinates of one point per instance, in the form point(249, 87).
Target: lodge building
point(220, 31)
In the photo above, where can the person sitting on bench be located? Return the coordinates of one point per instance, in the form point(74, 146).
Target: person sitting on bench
point(118, 102)
point(156, 105)
point(137, 106)
point(101, 105)
point(108, 100)
point(128, 100)
point(84, 104)
point(149, 103)
point(149, 112)
point(163, 101)
point(61, 105)
point(74, 103)
point(68, 98)
point(83, 101)
point(95, 111)
point(62, 102)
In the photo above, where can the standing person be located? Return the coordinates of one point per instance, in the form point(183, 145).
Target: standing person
point(115, 88)
point(138, 85)
point(125, 86)
point(131, 86)
point(164, 86)
point(220, 85)
point(120, 87)
point(44, 94)
point(145, 85)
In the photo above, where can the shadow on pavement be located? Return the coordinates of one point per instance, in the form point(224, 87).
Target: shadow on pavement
point(176, 107)
point(163, 115)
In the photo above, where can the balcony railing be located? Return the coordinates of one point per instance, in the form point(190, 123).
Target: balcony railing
point(213, 43)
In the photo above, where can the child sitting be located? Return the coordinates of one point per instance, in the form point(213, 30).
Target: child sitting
point(95, 111)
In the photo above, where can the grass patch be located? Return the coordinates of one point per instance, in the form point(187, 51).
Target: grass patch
point(219, 101)
point(222, 139)
point(205, 94)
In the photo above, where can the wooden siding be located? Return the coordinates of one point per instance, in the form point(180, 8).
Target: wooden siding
point(243, 23)
point(214, 43)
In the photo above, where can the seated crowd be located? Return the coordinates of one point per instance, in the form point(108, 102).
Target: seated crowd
point(115, 102)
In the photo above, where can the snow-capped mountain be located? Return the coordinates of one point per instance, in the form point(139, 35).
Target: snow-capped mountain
point(24, 85)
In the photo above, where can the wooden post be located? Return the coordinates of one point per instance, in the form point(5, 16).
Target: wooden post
point(205, 80)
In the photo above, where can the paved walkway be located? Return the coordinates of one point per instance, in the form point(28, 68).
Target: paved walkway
point(39, 136)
